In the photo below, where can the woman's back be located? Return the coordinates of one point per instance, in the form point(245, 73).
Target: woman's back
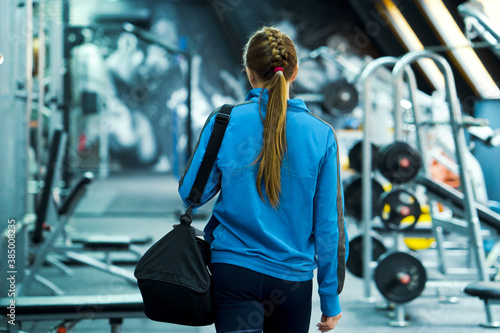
point(279, 214)
point(275, 241)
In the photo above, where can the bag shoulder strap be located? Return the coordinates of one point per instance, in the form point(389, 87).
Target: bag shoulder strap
point(214, 143)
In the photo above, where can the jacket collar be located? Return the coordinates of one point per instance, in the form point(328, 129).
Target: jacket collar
point(294, 104)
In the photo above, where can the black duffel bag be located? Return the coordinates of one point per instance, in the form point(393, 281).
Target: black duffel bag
point(174, 279)
point(173, 275)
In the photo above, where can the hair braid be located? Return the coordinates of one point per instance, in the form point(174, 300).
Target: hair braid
point(279, 53)
point(267, 49)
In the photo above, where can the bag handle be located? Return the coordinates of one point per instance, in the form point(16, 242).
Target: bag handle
point(221, 120)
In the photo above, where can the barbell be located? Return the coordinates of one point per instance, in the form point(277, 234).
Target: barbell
point(338, 98)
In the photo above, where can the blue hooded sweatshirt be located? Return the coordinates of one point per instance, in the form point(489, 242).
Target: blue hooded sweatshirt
point(306, 231)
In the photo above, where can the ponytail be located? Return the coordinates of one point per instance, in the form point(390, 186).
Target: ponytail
point(272, 56)
point(274, 140)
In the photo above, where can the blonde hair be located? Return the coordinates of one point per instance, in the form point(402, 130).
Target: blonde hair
point(266, 53)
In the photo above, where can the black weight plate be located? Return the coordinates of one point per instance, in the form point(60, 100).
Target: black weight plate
point(353, 196)
point(392, 271)
point(399, 162)
point(356, 156)
point(397, 205)
point(355, 260)
point(340, 96)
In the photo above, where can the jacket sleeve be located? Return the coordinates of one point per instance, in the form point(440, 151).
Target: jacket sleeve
point(330, 232)
point(193, 165)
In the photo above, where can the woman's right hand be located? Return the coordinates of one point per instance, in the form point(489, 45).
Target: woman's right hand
point(328, 323)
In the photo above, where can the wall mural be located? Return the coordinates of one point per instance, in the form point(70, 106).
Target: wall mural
point(141, 87)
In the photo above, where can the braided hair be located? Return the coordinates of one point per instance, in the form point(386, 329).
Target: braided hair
point(271, 55)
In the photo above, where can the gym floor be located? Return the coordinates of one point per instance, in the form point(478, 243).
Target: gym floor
point(145, 204)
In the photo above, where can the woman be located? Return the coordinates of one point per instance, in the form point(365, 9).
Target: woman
point(279, 214)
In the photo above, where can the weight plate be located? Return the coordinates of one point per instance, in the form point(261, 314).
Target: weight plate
point(340, 96)
point(400, 277)
point(399, 209)
point(356, 156)
point(353, 196)
point(399, 162)
point(355, 260)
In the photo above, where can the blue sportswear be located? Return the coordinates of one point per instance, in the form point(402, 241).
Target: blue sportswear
point(307, 230)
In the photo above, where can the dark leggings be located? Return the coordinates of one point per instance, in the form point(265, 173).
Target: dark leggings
point(250, 302)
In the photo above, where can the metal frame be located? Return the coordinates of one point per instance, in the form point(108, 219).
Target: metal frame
point(365, 80)
point(472, 226)
point(471, 217)
point(459, 140)
point(101, 307)
point(16, 41)
point(365, 99)
point(469, 10)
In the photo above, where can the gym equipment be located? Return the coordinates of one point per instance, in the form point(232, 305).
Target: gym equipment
point(337, 98)
point(419, 243)
point(340, 96)
point(64, 211)
point(470, 225)
point(400, 277)
point(471, 221)
point(476, 20)
point(365, 80)
point(455, 200)
point(42, 87)
point(18, 99)
point(489, 292)
point(54, 163)
point(355, 261)
point(72, 309)
point(356, 156)
point(486, 135)
point(353, 196)
point(399, 162)
point(51, 220)
point(399, 209)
